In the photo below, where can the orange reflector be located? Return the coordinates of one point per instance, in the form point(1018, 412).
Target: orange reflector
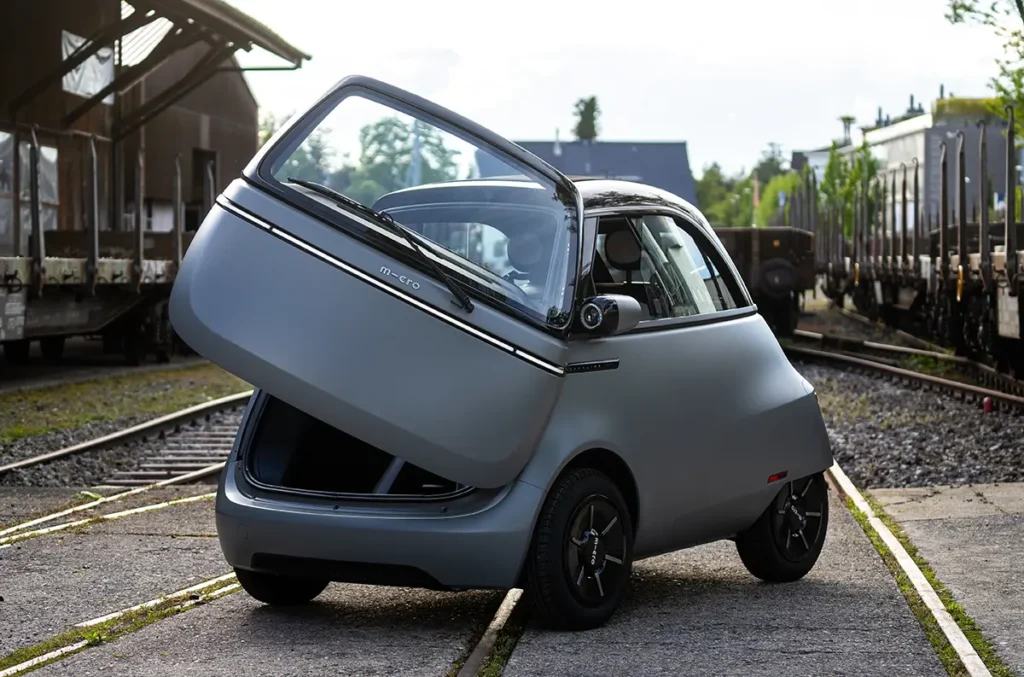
point(775, 243)
point(777, 476)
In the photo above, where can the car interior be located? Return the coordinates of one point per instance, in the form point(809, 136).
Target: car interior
point(622, 266)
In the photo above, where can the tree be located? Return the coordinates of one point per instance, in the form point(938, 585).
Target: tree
point(397, 155)
point(1006, 19)
point(771, 164)
point(844, 182)
point(769, 213)
point(712, 187)
point(726, 201)
point(587, 113)
point(312, 160)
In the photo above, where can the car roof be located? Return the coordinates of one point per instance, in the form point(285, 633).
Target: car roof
point(597, 193)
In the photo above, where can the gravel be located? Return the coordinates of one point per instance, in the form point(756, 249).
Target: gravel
point(886, 435)
point(832, 322)
point(93, 467)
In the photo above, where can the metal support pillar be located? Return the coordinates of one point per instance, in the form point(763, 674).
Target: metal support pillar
point(93, 228)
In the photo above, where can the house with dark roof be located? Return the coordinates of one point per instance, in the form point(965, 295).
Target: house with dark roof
point(662, 164)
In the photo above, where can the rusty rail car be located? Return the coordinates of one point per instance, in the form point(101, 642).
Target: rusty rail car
point(952, 279)
point(114, 284)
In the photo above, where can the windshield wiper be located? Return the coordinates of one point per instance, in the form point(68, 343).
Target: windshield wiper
point(462, 299)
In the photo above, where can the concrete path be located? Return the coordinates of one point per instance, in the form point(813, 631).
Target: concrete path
point(973, 537)
point(698, 612)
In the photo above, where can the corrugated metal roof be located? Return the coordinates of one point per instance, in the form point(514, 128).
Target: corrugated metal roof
point(226, 20)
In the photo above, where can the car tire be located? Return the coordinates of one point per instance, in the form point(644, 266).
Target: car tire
point(784, 543)
point(280, 590)
point(580, 560)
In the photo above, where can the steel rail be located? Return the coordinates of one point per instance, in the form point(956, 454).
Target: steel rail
point(966, 389)
point(152, 427)
point(855, 343)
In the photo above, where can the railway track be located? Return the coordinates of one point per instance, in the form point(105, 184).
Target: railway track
point(969, 392)
point(191, 443)
point(914, 360)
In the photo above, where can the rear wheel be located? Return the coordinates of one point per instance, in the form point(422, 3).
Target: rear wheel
point(280, 590)
point(17, 352)
point(786, 540)
point(52, 348)
point(580, 560)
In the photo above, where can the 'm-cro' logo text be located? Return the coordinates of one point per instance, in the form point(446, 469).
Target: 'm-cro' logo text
point(401, 278)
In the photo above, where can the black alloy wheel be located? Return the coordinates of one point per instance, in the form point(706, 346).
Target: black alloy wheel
point(580, 560)
point(784, 543)
point(594, 550)
point(797, 522)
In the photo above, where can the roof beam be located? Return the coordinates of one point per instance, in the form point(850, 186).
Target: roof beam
point(171, 43)
point(103, 38)
point(229, 22)
point(202, 71)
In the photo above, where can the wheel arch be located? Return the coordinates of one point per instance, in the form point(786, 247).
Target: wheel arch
point(611, 464)
point(617, 470)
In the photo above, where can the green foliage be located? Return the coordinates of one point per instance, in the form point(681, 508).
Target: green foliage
point(771, 164)
point(1006, 19)
point(728, 201)
point(725, 201)
point(587, 113)
point(384, 163)
point(312, 160)
point(844, 183)
point(768, 212)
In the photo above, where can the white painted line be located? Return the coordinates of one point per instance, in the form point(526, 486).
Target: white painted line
point(968, 656)
point(480, 652)
point(202, 472)
point(158, 506)
point(155, 602)
point(103, 518)
point(22, 667)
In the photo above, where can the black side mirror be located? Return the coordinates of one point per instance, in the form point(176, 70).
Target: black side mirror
point(609, 315)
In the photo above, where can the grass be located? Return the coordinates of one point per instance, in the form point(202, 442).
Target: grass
point(944, 650)
point(508, 637)
point(65, 407)
point(967, 624)
point(104, 632)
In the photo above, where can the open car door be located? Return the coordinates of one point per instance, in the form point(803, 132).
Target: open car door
point(431, 329)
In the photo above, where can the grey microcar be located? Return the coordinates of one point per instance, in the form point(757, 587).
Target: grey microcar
point(472, 371)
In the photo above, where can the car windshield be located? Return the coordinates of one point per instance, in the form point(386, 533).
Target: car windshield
point(508, 237)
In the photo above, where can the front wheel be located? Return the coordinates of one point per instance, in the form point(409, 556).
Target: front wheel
point(580, 560)
point(280, 590)
point(784, 543)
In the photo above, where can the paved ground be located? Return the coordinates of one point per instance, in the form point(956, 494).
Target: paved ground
point(20, 504)
point(695, 612)
point(973, 537)
point(698, 612)
point(50, 583)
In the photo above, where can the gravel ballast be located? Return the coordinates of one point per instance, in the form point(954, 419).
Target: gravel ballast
point(886, 435)
point(93, 467)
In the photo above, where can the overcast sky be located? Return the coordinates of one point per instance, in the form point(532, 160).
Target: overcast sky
point(726, 77)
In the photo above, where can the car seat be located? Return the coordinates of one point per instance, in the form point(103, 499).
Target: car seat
point(622, 251)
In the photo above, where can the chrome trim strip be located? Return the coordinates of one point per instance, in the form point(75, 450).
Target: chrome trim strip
point(227, 205)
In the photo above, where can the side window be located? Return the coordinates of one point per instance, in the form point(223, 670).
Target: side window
point(681, 277)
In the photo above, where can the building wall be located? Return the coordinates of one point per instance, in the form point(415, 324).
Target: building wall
point(30, 48)
point(221, 116)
